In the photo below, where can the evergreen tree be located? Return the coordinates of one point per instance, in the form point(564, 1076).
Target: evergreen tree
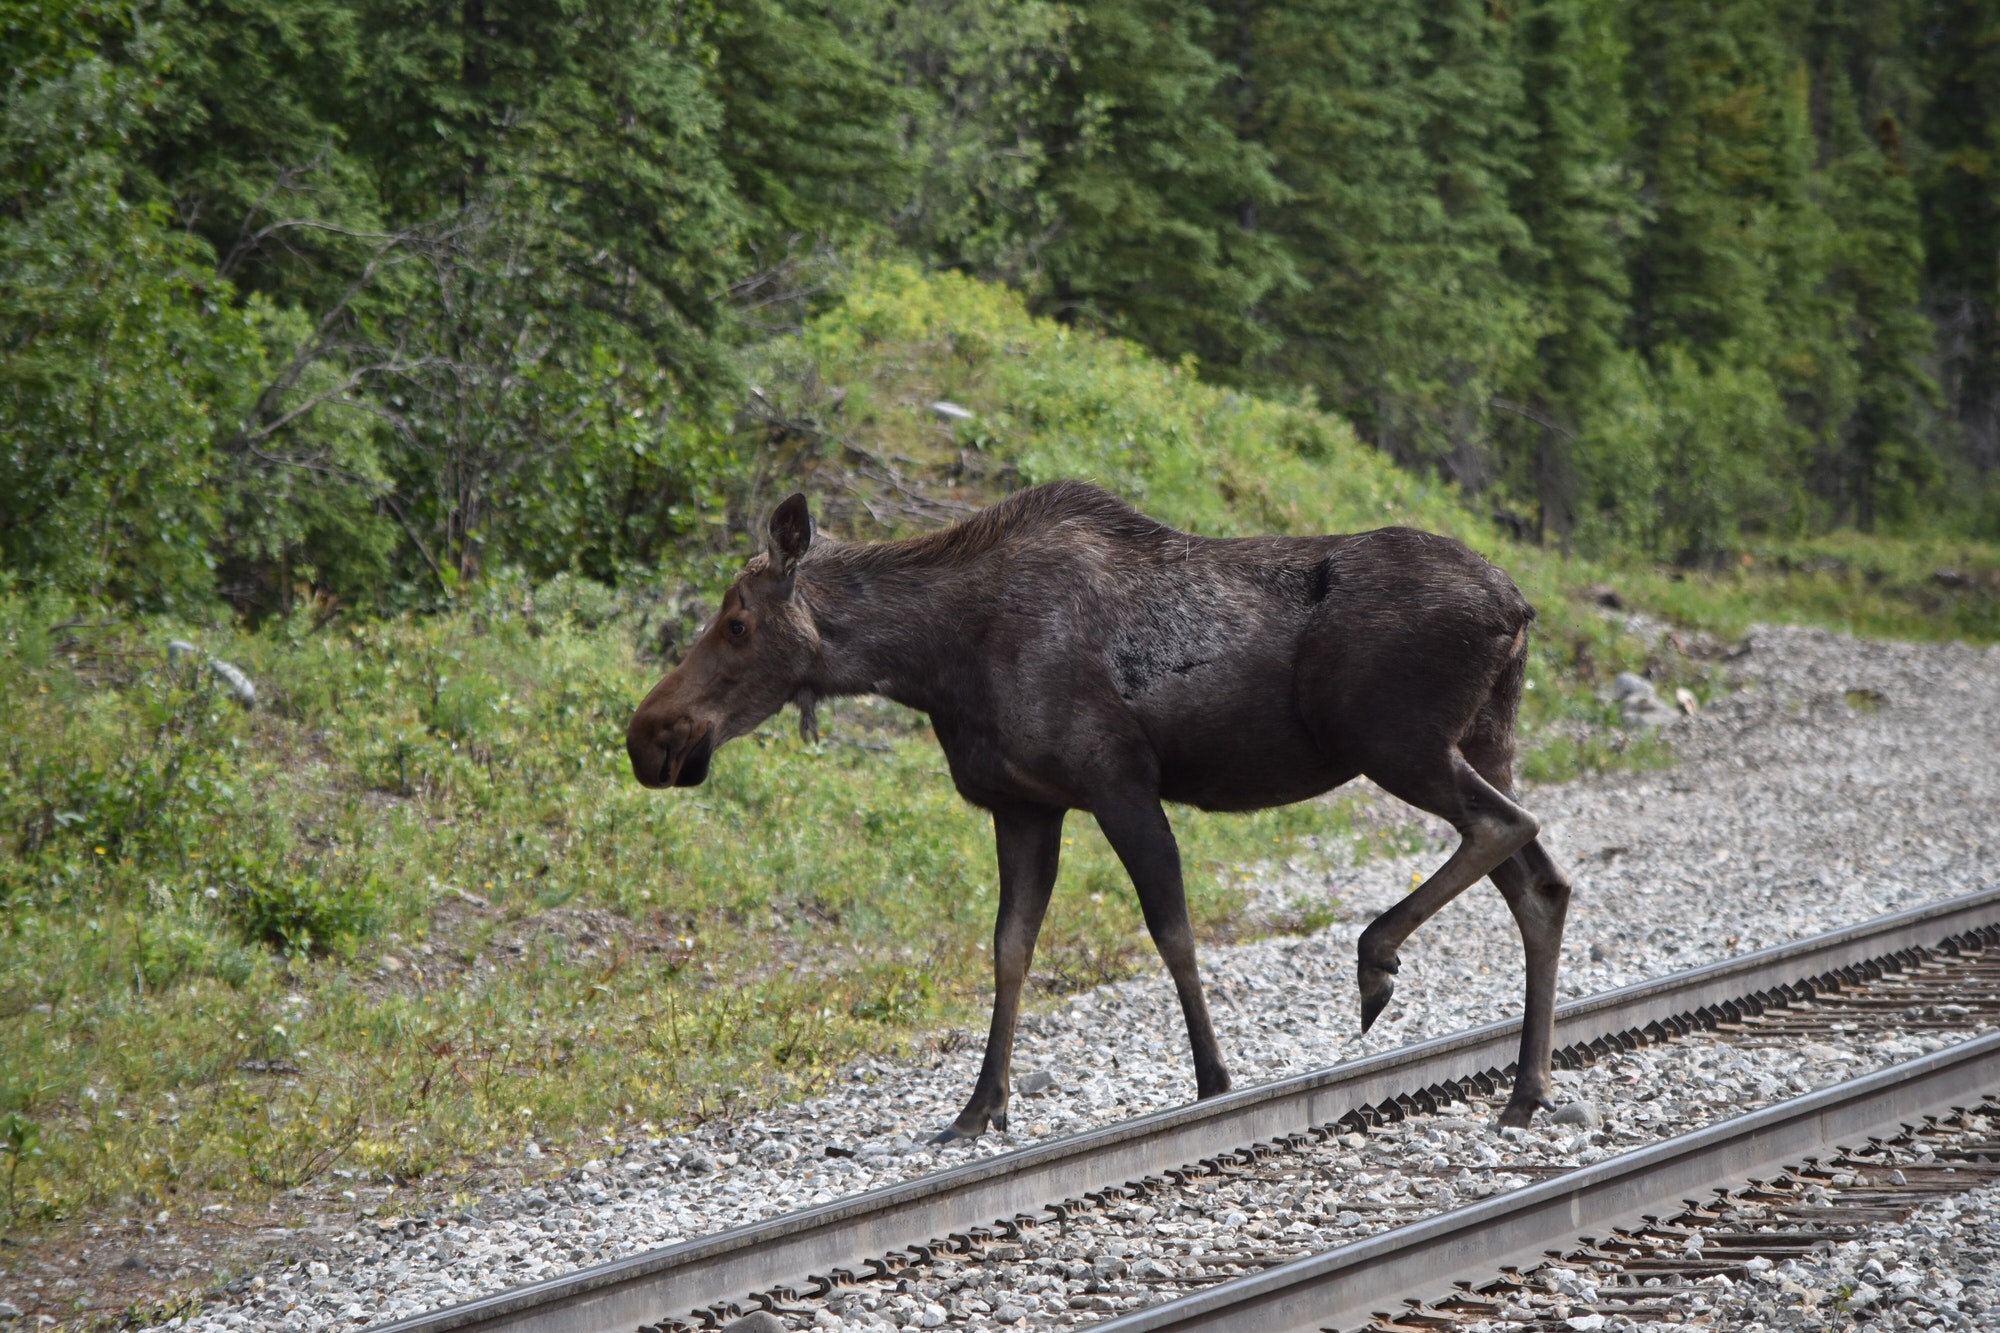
point(811, 116)
point(1395, 130)
point(117, 345)
point(1727, 273)
point(983, 75)
point(1878, 463)
point(1146, 179)
point(1960, 199)
point(1560, 429)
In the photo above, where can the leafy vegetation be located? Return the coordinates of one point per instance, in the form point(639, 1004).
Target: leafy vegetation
point(369, 298)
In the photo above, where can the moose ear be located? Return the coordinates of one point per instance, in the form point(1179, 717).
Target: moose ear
point(791, 532)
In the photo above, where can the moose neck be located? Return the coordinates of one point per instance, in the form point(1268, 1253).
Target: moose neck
point(878, 609)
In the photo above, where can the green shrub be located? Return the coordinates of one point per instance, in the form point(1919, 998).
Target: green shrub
point(301, 912)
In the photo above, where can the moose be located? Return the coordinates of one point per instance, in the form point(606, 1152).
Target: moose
point(1073, 654)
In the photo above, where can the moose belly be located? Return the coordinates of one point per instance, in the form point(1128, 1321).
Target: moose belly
point(1243, 768)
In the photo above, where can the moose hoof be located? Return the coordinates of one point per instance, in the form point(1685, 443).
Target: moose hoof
point(953, 1134)
point(1520, 1114)
point(971, 1124)
point(1376, 988)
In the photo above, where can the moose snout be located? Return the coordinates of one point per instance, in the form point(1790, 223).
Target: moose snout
point(671, 754)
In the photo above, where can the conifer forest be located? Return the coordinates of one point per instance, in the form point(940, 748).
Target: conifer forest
point(371, 295)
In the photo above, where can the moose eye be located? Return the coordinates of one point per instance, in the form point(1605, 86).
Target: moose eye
point(737, 629)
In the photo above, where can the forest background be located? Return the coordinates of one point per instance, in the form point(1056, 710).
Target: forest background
point(431, 364)
point(371, 296)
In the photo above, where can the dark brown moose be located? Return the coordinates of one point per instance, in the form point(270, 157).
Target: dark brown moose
point(1073, 654)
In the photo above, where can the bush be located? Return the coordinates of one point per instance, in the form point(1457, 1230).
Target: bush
point(300, 911)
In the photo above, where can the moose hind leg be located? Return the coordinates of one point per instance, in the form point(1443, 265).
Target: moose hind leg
point(1537, 893)
point(1139, 832)
point(1030, 845)
point(1491, 829)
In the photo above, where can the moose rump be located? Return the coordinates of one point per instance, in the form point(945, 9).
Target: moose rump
point(1073, 654)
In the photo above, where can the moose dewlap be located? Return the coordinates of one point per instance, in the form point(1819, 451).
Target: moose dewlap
point(1073, 654)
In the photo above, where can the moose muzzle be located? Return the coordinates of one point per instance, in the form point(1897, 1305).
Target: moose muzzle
point(675, 755)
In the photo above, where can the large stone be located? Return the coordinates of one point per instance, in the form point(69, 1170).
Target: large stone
point(1577, 1113)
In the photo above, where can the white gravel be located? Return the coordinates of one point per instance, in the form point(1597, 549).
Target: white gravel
point(1800, 803)
point(1938, 1268)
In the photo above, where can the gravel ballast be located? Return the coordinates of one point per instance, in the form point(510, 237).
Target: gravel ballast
point(1938, 1268)
point(1843, 780)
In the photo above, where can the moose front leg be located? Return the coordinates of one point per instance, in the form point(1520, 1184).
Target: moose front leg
point(1030, 844)
point(1139, 832)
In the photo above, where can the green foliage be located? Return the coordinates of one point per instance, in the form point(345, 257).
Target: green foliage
point(1396, 132)
point(353, 303)
point(1148, 179)
point(119, 349)
point(1054, 403)
point(20, 1139)
point(295, 911)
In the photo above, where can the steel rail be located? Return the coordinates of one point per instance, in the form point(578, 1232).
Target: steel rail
point(787, 1250)
point(1351, 1285)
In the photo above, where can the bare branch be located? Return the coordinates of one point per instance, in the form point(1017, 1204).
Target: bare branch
point(1540, 418)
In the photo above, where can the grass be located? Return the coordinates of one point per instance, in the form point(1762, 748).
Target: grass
point(411, 909)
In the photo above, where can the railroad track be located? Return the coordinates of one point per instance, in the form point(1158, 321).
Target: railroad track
point(1607, 1219)
point(1642, 1270)
point(1935, 969)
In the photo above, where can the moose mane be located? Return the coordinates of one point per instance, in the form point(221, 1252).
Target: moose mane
point(1022, 515)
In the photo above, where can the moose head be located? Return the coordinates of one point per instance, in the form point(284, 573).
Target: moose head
point(752, 658)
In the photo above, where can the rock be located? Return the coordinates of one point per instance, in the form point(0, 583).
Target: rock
point(950, 411)
point(1577, 1113)
point(933, 1316)
point(9, 1310)
point(1584, 1322)
point(1626, 686)
point(240, 684)
point(757, 1321)
point(1009, 1313)
point(1035, 1082)
point(1152, 1270)
point(1108, 1266)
